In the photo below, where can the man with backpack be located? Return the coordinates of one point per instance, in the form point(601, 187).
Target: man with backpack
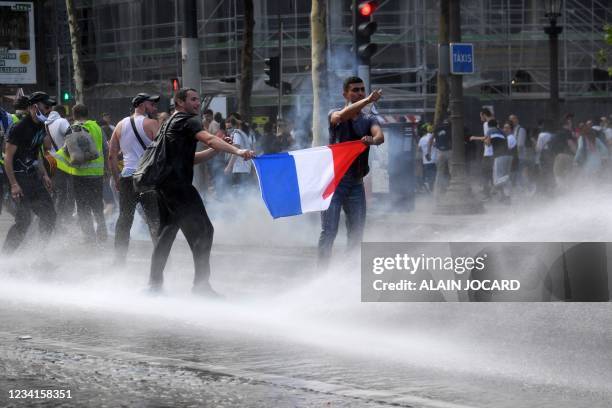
point(56, 127)
point(83, 158)
point(171, 159)
point(131, 136)
point(29, 182)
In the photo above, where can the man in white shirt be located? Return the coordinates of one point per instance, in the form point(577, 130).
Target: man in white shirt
point(525, 153)
point(131, 136)
point(605, 128)
point(210, 123)
point(429, 160)
point(237, 167)
point(487, 157)
point(56, 127)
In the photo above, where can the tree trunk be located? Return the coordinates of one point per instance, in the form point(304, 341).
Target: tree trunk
point(75, 43)
point(458, 198)
point(318, 26)
point(246, 63)
point(442, 80)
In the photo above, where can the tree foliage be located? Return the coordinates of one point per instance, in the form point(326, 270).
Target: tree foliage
point(604, 55)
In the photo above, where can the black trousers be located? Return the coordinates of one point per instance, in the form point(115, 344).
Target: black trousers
point(180, 207)
point(487, 175)
point(36, 199)
point(63, 196)
point(128, 199)
point(88, 196)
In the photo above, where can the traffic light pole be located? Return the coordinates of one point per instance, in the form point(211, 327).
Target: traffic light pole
point(363, 72)
point(355, 45)
point(363, 28)
point(59, 73)
point(190, 50)
point(280, 69)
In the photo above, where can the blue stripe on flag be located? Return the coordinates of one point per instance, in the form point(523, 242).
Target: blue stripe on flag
point(278, 183)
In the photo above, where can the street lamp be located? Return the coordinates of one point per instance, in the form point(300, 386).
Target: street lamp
point(553, 11)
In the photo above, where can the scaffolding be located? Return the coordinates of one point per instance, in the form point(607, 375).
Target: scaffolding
point(137, 43)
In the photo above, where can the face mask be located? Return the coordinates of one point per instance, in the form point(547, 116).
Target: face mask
point(40, 116)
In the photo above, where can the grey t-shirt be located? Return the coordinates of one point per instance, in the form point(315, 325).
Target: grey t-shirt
point(350, 130)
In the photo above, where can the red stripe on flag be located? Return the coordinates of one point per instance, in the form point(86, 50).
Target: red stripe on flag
point(343, 154)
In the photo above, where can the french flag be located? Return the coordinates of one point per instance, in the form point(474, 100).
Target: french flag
point(302, 181)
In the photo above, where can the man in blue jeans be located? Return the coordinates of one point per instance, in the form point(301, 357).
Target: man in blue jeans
point(346, 124)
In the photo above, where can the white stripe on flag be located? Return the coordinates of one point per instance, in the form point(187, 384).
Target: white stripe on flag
point(315, 170)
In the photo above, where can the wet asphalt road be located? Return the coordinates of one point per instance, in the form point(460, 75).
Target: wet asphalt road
point(285, 336)
point(125, 359)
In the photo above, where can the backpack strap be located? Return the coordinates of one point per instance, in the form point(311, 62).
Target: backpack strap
point(51, 137)
point(144, 147)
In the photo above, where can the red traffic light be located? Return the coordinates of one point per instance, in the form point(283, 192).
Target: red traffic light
point(367, 8)
point(176, 85)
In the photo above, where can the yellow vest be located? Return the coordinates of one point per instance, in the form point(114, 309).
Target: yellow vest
point(91, 168)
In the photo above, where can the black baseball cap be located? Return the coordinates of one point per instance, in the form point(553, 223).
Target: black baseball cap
point(40, 96)
point(143, 97)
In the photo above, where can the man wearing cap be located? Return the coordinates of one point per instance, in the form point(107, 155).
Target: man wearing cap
point(56, 127)
point(29, 182)
point(87, 178)
point(132, 136)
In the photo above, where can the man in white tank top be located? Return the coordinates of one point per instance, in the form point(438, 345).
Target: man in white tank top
point(131, 137)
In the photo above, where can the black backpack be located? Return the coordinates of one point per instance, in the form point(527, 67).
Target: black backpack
point(153, 168)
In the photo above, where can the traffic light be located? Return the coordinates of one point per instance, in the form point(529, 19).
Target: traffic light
point(66, 96)
point(287, 88)
point(363, 29)
point(272, 70)
point(176, 84)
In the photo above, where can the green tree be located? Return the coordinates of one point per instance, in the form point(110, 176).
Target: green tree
point(75, 44)
point(604, 55)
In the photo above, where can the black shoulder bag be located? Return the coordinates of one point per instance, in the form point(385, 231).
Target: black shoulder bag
point(144, 147)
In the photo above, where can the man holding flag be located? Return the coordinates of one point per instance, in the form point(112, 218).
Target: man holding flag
point(326, 178)
point(348, 124)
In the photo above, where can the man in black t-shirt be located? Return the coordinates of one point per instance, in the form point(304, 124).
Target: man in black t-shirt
point(29, 181)
point(346, 124)
point(180, 204)
point(442, 142)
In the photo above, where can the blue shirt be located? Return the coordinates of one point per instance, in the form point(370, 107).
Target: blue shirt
point(350, 130)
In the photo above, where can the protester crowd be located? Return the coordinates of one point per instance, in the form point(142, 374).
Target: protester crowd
point(217, 176)
point(508, 159)
point(72, 171)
